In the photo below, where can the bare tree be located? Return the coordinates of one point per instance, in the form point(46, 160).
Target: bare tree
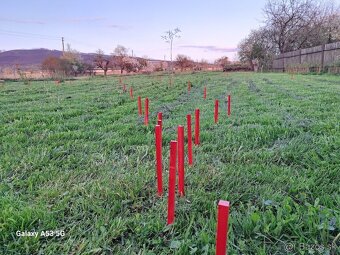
point(222, 62)
point(120, 53)
point(183, 62)
point(257, 46)
point(292, 24)
point(169, 38)
point(102, 61)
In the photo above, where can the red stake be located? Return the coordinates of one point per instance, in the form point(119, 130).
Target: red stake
point(139, 106)
point(158, 142)
point(222, 227)
point(189, 139)
point(146, 116)
point(205, 93)
point(197, 126)
point(189, 86)
point(131, 93)
point(172, 182)
point(180, 139)
point(124, 88)
point(160, 116)
point(216, 111)
point(229, 105)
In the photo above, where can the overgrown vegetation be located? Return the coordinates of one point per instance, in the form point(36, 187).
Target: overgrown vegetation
point(77, 157)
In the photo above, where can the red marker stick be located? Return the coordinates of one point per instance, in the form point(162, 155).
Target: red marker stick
point(124, 88)
point(197, 126)
point(158, 143)
point(216, 111)
point(172, 182)
point(139, 106)
point(189, 86)
point(131, 93)
point(189, 139)
point(146, 116)
point(205, 93)
point(229, 105)
point(160, 116)
point(180, 139)
point(222, 227)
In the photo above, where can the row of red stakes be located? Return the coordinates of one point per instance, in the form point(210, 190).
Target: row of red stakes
point(177, 151)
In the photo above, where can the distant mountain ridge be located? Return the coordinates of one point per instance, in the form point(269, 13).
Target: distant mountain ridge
point(33, 57)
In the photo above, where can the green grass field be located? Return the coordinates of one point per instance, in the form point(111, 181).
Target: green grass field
point(76, 157)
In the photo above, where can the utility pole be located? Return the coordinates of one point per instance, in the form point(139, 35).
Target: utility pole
point(132, 53)
point(62, 41)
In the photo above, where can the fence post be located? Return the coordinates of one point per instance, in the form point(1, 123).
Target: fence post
point(322, 57)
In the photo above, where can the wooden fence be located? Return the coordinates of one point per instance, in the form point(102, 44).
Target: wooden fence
point(320, 58)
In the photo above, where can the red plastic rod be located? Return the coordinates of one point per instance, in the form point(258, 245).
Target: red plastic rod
point(216, 111)
point(189, 139)
point(146, 116)
point(197, 126)
point(205, 93)
point(139, 106)
point(172, 182)
point(131, 93)
point(158, 143)
point(222, 227)
point(189, 86)
point(229, 105)
point(160, 116)
point(180, 140)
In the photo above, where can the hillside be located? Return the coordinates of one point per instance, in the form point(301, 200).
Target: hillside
point(32, 57)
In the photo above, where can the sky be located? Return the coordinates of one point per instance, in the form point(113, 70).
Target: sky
point(209, 29)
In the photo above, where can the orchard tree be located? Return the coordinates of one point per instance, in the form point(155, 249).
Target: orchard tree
point(183, 62)
point(101, 61)
point(222, 62)
point(119, 53)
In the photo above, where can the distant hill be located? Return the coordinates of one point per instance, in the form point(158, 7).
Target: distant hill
point(33, 58)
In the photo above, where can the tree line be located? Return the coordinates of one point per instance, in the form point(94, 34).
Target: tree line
point(290, 25)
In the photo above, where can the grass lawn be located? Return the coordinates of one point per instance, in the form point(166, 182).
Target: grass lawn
point(76, 157)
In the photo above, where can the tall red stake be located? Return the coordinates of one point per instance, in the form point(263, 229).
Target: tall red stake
point(229, 105)
point(216, 111)
point(146, 116)
point(180, 140)
point(160, 118)
point(131, 93)
point(158, 143)
point(172, 182)
point(197, 126)
point(222, 227)
point(139, 106)
point(189, 86)
point(189, 139)
point(205, 93)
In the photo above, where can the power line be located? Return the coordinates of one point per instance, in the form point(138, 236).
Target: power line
point(28, 35)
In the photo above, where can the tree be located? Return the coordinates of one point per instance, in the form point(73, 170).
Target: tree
point(101, 61)
point(257, 47)
point(74, 58)
point(183, 62)
point(57, 66)
point(296, 24)
point(143, 63)
point(222, 62)
point(120, 52)
point(169, 38)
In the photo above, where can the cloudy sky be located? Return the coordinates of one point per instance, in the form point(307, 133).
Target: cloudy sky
point(210, 29)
